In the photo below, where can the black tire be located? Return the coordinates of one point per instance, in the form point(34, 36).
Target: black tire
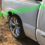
point(15, 25)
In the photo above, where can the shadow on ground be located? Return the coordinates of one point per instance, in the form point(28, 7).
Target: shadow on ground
point(27, 41)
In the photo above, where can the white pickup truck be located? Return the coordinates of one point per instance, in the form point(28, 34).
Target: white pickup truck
point(26, 18)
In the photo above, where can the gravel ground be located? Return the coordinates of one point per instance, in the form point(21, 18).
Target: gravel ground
point(6, 37)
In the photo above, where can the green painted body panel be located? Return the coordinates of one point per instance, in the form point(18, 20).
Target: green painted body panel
point(42, 6)
point(23, 10)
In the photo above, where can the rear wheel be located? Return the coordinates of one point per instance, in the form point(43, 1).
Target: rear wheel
point(16, 27)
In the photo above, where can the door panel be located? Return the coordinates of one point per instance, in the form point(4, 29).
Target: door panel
point(40, 32)
point(28, 13)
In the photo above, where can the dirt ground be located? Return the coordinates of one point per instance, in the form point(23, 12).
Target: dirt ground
point(6, 37)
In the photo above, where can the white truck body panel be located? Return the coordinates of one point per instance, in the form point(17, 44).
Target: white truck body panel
point(28, 19)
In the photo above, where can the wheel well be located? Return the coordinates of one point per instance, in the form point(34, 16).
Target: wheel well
point(17, 16)
point(19, 21)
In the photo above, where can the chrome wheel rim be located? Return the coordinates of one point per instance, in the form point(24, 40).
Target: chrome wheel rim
point(14, 26)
